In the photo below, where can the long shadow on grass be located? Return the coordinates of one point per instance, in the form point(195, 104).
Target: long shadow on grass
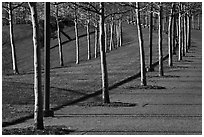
point(72, 40)
point(98, 92)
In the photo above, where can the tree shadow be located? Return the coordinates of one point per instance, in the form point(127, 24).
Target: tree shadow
point(165, 76)
point(144, 87)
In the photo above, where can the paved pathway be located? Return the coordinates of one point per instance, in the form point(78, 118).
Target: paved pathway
point(175, 108)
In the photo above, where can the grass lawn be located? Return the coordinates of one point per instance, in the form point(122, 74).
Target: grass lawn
point(72, 81)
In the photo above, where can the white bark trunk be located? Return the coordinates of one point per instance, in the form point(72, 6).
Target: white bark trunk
point(59, 39)
point(105, 92)
point(161, 73)
point(13, 50)
point(38, 112)
point(180, 34)
point(88, 42)
point(141, 44)
point(77, 38)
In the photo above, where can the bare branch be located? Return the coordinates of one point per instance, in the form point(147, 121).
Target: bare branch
point(18, 5)
point(115, 13)
point(86, 8)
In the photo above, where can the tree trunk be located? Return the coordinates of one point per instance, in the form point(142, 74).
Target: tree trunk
point(38, 112)
point(59, 38)
point(105, 92)
point(161, 73)
point(185, 34)
point(106, 45)
point(77, 37)
point(88, 41)
point(121, 32)
point(47, 111)
point(183, 31)
point(180, 34)
point(150, 38)
point(96, 40)
point(198, 21)
point(189, 33)
point(141, 44)
point(13, 49)
point(170, 37)
point(174, 30)
point(111, 36)
point(118, 34)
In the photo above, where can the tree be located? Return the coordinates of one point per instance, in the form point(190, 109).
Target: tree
point(105, 93)
point(88, 37)
point(180, 34)
point(38, 112)
point(47, 111)
point(170, 44)
point(76, 34)
point(150, 37)
point(161, 72)
point(96, 36)
point(141, 44)
point(111, 34)
point(59, 36)
point(10, 10)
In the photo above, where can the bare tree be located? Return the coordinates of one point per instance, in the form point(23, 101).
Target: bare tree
point(150, 37)
point(58, 35)
point(38, 112)
point(170, 36)
point(9, 9)
point(77, 36)
point(105, 93)
point(88, 36)
point(180, 33)
point(161, 72)
point(141, 44)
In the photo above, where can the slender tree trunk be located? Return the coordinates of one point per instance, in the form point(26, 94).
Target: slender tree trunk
point(121, 33)
point(77, 37)
point(161, 72)
point(183, 31)
point(198, 17)
point(13, 49)
point(96, 41)
point(141, 44)
point(118, 34)
point(105, 92)
point(106, 45)
point(38, 112)
point(88, 41)
point(189, 34)
point(150, 38)
point(47, 111)
point(180, 34)
point(174, 35)
point(111, 36)
point(170, 37)
point(186, 33)
point(59, 38)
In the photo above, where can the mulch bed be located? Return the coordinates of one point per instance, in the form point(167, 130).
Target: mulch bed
point(111, 104)
point(48, 130)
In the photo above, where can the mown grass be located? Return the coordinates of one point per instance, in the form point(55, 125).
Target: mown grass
point(71, 81)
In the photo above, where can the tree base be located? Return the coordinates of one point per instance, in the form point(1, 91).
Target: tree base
point(48, 113)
